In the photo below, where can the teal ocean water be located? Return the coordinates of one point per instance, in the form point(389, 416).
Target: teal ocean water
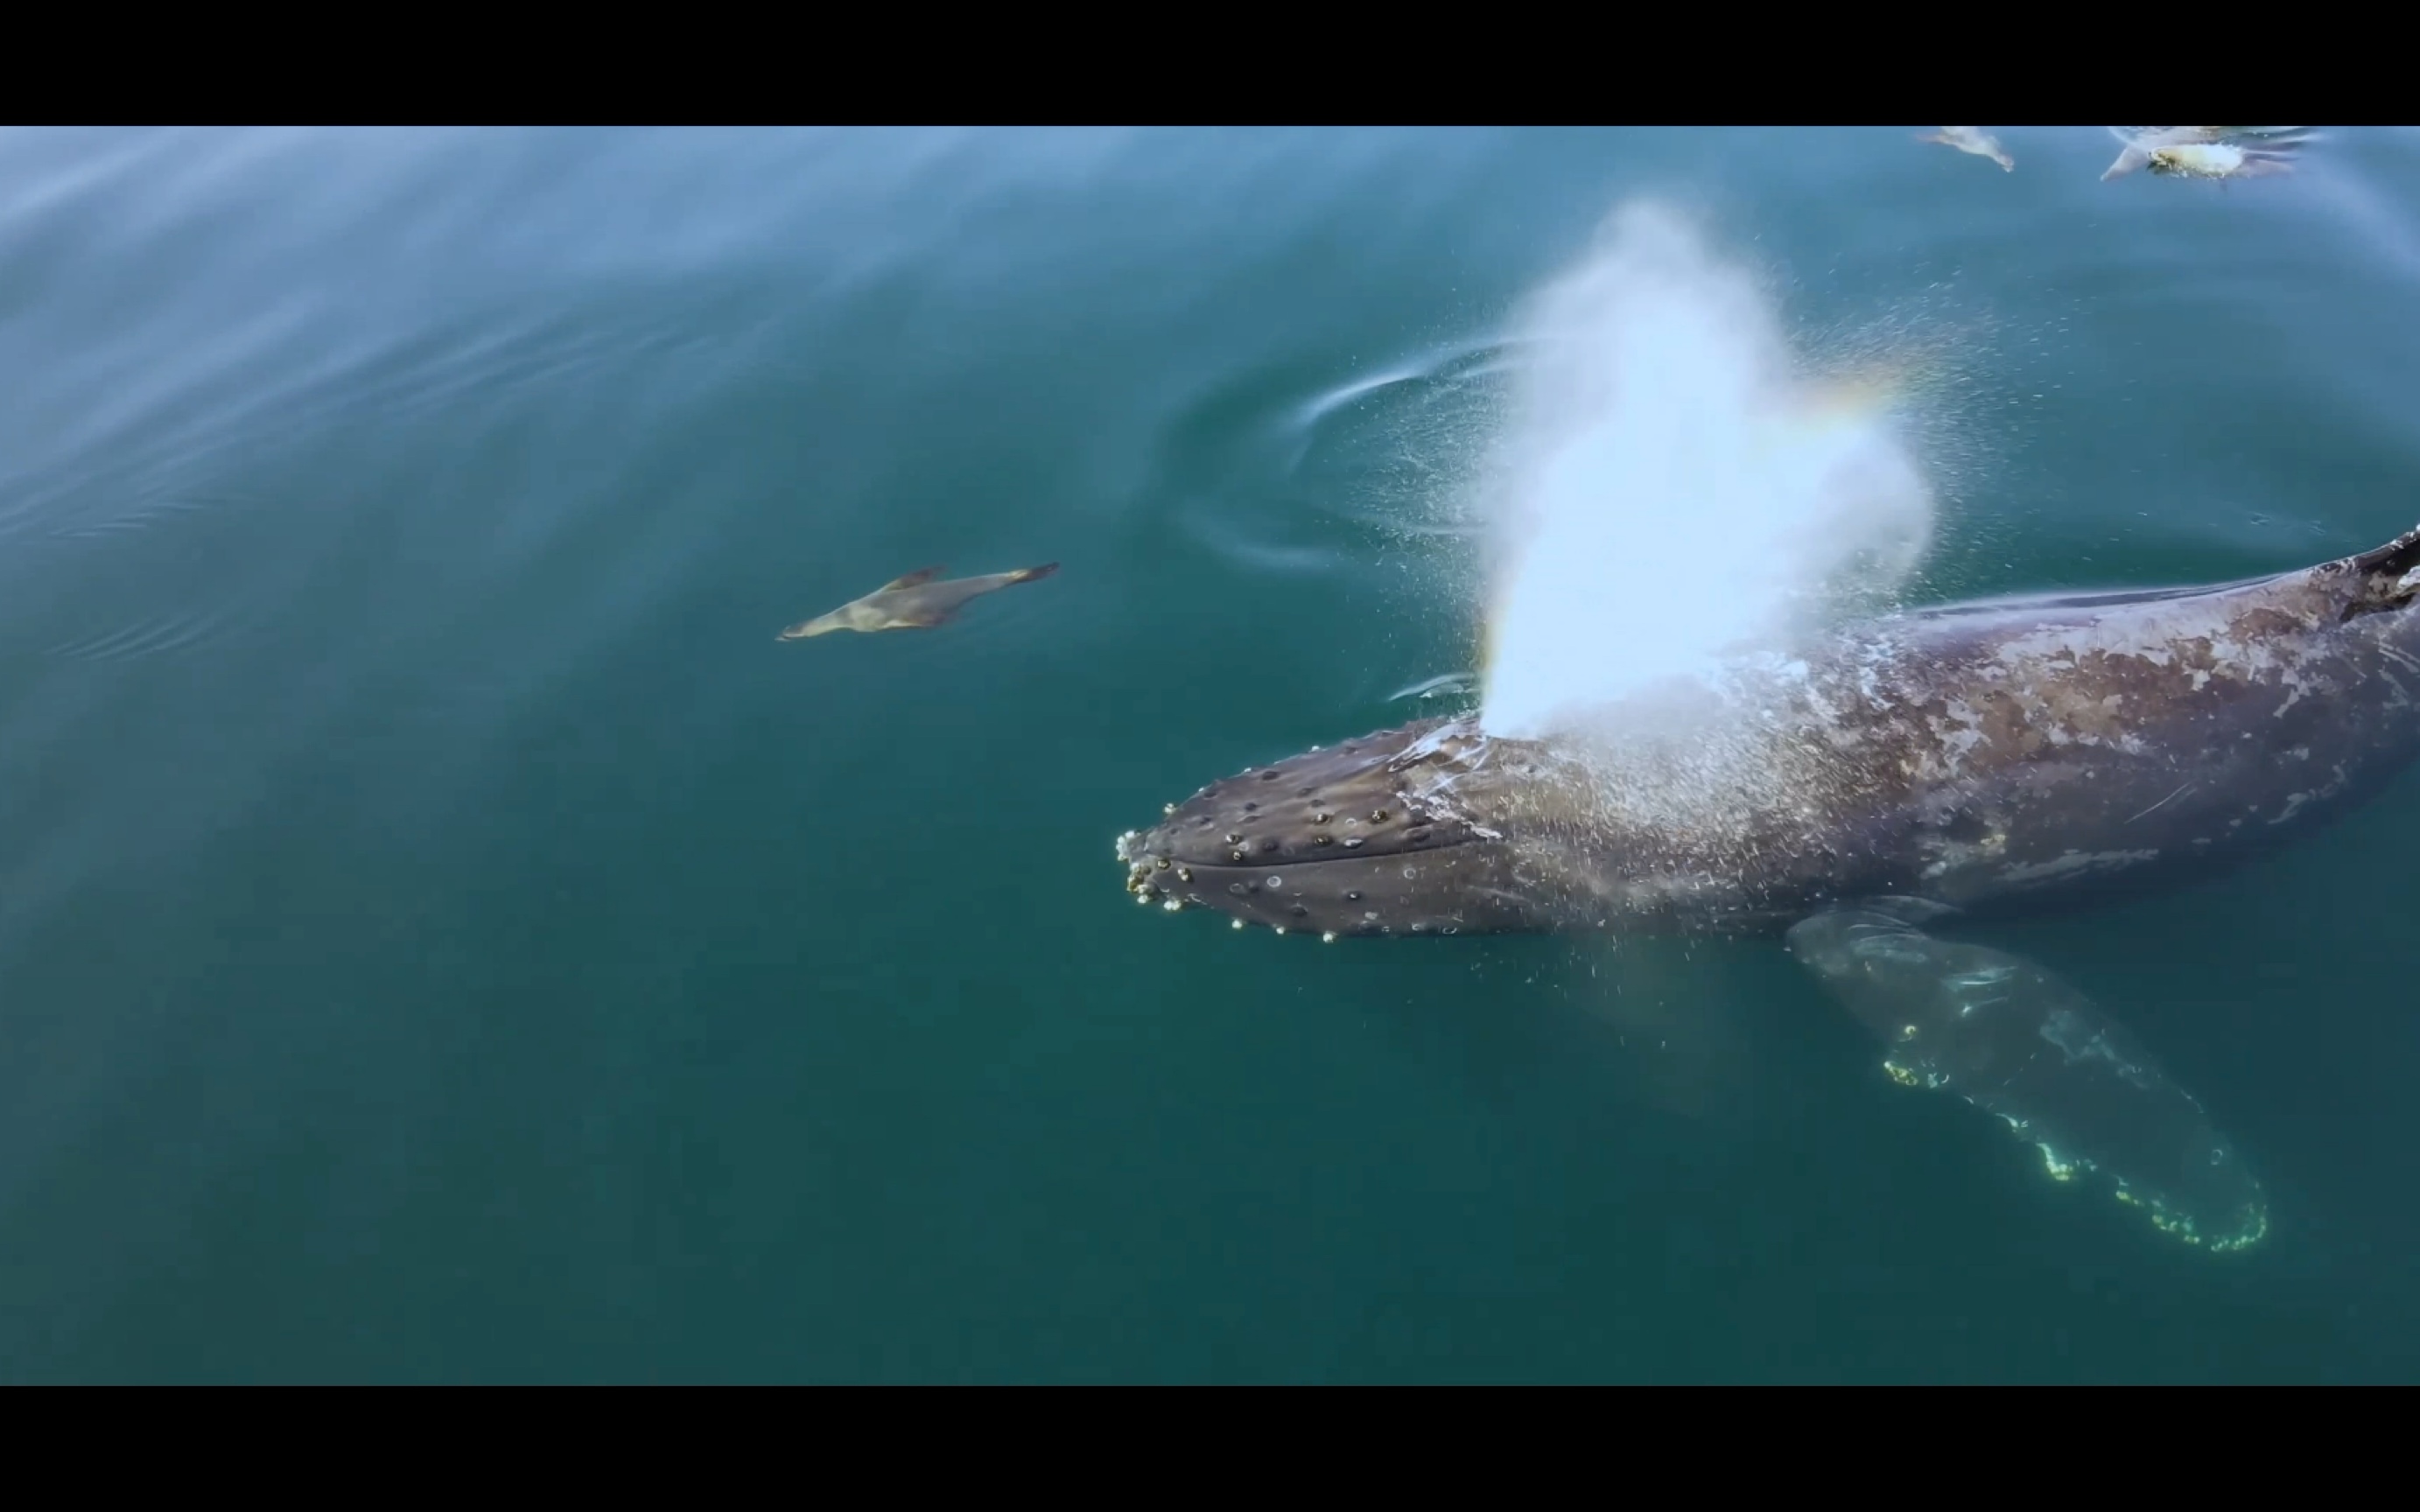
point(444, 937)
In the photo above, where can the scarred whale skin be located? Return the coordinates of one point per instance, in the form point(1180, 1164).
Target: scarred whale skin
point(1988, 756)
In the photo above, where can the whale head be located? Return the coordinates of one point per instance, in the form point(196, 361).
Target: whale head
point(1430, 830)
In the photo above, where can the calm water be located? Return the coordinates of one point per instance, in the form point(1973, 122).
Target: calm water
point(444, 937)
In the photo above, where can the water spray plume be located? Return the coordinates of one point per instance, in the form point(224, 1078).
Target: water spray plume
point(1673, 487)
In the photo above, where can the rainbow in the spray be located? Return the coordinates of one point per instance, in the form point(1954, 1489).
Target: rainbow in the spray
point(1672, 489)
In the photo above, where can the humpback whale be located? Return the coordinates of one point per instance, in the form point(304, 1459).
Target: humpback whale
point(1858, 794)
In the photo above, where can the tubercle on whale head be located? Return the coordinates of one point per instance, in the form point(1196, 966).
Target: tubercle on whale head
point(1400, 832)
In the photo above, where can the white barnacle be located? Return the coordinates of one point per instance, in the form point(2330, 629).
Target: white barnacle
point(2061, 1167)
point(1327, 937)
point(1235, 923)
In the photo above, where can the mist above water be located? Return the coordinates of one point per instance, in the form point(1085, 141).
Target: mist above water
point(1675, 485)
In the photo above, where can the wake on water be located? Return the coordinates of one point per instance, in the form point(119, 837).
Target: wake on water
point(1674, 486)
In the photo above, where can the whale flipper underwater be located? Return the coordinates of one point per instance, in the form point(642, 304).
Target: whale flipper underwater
point(1853, 797)
point(2016, 1041)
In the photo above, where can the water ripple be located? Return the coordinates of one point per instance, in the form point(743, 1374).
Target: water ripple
point(145, 638)
point(1376, 468)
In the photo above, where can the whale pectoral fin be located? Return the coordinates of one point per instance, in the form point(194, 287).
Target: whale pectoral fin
point(2127, 160)
point(2015, 1041)
point(914, 579)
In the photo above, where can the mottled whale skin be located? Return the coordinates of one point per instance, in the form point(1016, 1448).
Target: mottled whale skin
point(1946, 763)
point(1989, 757)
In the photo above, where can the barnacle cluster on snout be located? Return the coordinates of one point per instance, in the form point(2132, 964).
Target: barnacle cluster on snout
point(1359, 839)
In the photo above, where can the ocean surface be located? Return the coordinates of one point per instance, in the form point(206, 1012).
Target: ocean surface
point(445, 938)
